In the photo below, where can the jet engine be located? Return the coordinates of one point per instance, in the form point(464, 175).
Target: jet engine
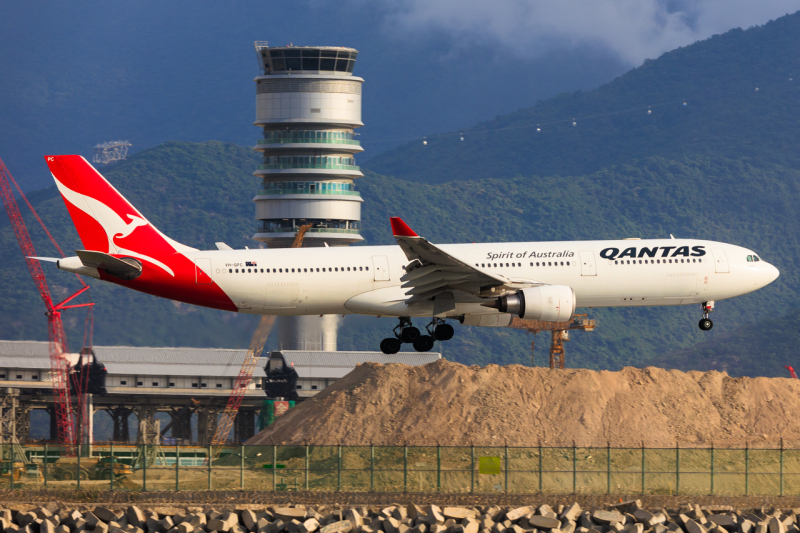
point(548, 303)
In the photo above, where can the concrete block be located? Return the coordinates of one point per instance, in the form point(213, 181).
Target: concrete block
point(249, 519)
point(606, 517)
point(746, 526)
point(400, 513)
point(694, 527)
point(386, 512)
point(634, 528)
point(571, 513)
point(544, 522)
point(91, 519)
point(776, 526)
point(515, 529)
point(237, 528)
point(723, 520)
point(471, 526)
point(277, 526)
point(629, 506)
point(62, 529)
point(515, 514)
point(101, 527)
point(287, 514)
point(616, 527)
point(567, 526)
point(135, 516)
point(660, 528)
point(43, 513)
point(46, 527)
point(11, 528)
point(458, 513)
point(185, 527)
point(433, 515)
point(642, 516)
point(342, 526)
point(419, 528)
point(355, 519)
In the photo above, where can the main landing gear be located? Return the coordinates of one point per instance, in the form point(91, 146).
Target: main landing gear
point(406, 333)
point(705, 322)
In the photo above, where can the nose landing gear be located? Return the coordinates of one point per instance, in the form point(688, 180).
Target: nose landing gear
point(705, 322)
point(405, 332)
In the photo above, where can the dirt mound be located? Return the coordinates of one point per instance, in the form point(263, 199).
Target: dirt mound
point(451, 404)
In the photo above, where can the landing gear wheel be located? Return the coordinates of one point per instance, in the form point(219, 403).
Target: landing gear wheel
point(410, 334)
point(706, 324)
point(390, 345)
point(444, 332)
point(424, 343)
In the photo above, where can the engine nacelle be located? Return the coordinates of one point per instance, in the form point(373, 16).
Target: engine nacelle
point(548, 303)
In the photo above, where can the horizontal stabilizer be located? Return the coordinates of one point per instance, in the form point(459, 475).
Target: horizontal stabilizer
point(125, 268)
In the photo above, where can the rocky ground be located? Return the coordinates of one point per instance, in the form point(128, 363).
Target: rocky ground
point(623, 517)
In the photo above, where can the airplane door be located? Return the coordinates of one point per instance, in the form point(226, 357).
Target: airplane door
point(720, 261)
point(381, 265)
point(588, 266)
point(202, 271)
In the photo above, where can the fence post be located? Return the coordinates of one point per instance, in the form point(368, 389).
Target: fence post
point(306, 466)
point(45, 467)
point(209, 466)
point(747, 469)
point(111, 480)
point(781, 466)
point(678, 468)
point(274, 467)
point(574, 468)
point(77, 473)
point(405, 468)
point(339, 476)
point(372, 468)
point(540, 466)
point(506, 480)
point(643, 468)
point(177, 466)
point(241, 470)
point(438, 468)
point(608, 467)
point(713, 467)
point(472, 469)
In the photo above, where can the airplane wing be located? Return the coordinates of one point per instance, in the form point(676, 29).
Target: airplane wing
point(433, 271)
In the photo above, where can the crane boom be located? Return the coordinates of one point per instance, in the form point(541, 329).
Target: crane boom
point(59, 364)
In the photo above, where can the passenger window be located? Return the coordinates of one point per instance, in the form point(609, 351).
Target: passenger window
point(348, 269)
point(317, 270)
point(248, 270)
point(230, 271)
point(567, 263)
point(367, 268)
point(292, 270)
point(549, 264)
point(262, 270)
point(362, 268)
point(562, 263)
point(337, 269)
point(237, 270)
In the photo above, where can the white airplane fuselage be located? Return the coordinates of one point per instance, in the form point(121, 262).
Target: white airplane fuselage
point(366, 279)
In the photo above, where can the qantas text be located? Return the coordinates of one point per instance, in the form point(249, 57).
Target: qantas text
point(680, 251)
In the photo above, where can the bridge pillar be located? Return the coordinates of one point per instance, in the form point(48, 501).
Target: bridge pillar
point(181, 425)
point(245, 425)
point(207, 418)
point(120, 417)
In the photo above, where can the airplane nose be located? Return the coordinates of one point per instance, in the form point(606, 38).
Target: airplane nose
point(772, 274)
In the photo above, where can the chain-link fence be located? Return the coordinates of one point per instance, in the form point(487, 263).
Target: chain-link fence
point(446, 469)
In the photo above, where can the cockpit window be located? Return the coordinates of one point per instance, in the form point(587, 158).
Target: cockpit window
point(752, 258)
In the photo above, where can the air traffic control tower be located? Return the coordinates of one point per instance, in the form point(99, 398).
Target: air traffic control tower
point(308, 103)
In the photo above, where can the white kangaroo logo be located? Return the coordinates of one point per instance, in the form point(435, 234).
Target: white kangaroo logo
point(111, 222)
point(136, 222)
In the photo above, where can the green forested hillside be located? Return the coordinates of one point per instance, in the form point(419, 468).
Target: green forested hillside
point(200, 193)
point(741, 95)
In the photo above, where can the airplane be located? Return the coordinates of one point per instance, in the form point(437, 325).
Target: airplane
point(483, 284)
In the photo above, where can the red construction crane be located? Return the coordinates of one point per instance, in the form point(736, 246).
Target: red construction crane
point(791, 371)
point(59, 364)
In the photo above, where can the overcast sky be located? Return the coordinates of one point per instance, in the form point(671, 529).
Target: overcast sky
point(83, 72)
point(633, 29)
